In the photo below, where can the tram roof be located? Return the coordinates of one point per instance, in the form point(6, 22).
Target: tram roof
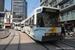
point(16, 22)
point(36, 10)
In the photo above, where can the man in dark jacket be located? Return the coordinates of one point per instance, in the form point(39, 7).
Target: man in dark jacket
point(62, 32)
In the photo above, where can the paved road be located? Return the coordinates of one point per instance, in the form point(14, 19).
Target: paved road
point(21, 41)
point(4, 33)
point(26, 43)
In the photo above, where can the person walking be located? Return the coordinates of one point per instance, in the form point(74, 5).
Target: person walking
point(62, 32)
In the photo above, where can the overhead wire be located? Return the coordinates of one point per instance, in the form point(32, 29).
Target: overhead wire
point(34, 5)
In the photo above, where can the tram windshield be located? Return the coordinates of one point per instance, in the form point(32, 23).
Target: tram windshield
point(47, 19)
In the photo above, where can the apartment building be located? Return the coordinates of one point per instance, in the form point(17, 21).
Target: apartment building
point(8, 19)
point(67, 10)
point(2, 5)
point(19, 10)
point(2, 13)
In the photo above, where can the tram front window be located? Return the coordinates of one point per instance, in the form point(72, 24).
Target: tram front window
point(47, 19)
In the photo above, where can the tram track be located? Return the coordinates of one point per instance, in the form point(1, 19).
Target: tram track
point(19, 41)
point(49, 48)
point(66, 44)
point(43, 46)
point(7, 46)
point(9, 42)
point(58, 46)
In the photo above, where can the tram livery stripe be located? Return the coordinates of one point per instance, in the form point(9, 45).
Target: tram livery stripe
point(54, 29)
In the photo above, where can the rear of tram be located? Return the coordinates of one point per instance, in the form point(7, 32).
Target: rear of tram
point(47, 21)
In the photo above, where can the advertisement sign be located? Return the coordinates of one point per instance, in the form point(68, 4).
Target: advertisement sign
point(2, 14)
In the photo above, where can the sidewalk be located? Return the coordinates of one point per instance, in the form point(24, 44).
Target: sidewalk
point(4, 33)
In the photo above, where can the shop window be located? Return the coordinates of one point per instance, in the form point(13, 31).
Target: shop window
point(71, 2)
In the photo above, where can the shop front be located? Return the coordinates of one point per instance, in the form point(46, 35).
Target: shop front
point(69, 25)
point(7, 25)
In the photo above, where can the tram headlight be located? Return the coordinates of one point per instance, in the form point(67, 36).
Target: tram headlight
point(48, 35)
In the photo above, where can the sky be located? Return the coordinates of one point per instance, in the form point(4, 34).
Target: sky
point(32, 4)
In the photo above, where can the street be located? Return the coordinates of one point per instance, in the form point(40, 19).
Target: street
point(21, 41)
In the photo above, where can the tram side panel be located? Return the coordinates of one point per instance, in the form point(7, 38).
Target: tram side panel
point(47, 34)
point(44, 34)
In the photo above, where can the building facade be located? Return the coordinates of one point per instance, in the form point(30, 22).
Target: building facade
point(8, 19)
point(2, 13)
point(1, 5)
point(67, 10)
point(19, 10)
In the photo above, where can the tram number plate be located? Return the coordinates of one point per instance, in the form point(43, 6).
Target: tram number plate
point(53, 34)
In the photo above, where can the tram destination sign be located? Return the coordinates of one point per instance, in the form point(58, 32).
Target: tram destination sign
point(50, 10)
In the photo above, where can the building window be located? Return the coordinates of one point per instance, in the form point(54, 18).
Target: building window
point(40, 0)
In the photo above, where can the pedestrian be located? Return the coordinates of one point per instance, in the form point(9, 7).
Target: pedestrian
point(62, 32)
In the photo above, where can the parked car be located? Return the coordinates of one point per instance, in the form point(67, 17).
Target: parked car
point(71, 33)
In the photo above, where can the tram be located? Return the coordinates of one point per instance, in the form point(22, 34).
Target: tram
point(17, 26)
point(42, 24)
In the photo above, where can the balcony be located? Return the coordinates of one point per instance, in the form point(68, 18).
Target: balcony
point(18, 1)
point(17, 7)
point(18, 4)
point(18, 11)
point(42, 2)
point(71, 7)
point(68, 17)
point(60, 2)
point(68, 6)
point(17, 18)
point(51, 1)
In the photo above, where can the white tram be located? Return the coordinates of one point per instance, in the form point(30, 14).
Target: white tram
point(17, 26)
point(42, 24)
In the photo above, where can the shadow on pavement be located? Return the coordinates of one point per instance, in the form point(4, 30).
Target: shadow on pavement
point(23, 46)
point(4, 33)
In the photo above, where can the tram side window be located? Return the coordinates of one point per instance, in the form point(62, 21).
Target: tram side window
point(40, 22)
point(26, 23)
point(31, 22)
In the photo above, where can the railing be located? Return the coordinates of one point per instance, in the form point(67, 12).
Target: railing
point(56, 2)
point(67, 4)
point(17, 4)
point(69, 17)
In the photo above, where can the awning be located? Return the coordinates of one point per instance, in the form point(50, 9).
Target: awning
point(7, 24)
point(22, 24)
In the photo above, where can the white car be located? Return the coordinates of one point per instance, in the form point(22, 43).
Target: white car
point(71, 34)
